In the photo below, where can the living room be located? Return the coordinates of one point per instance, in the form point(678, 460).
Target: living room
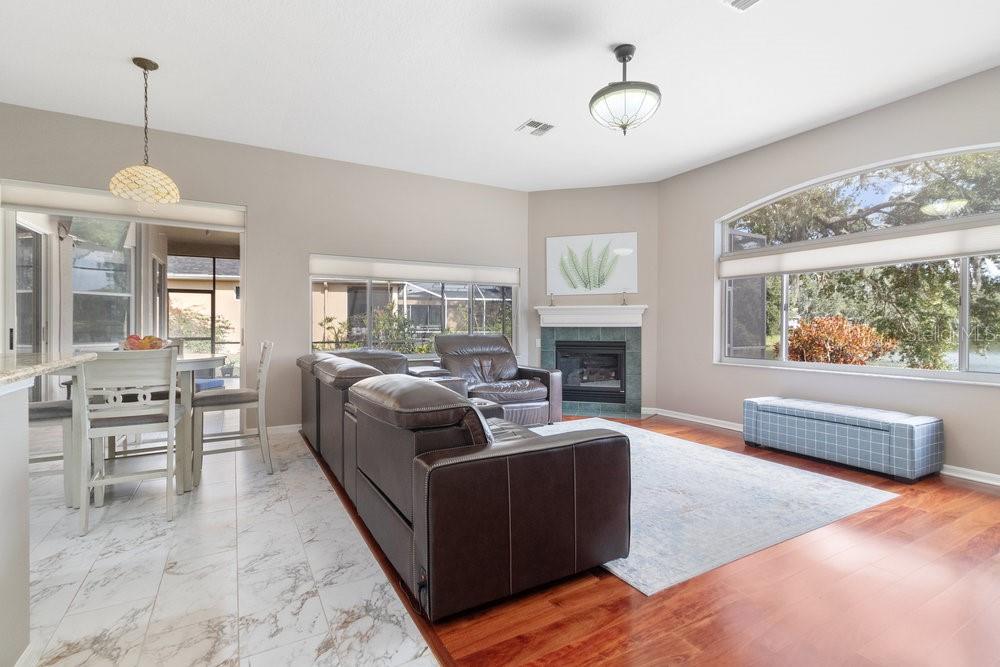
point(732, 338)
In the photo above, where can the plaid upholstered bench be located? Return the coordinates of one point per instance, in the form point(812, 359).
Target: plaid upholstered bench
point(901, 445)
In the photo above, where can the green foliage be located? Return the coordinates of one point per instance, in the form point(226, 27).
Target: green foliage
point(586, 273)
point(916, 304)
point(887, 197)
point(913, 304)
point(193, 323)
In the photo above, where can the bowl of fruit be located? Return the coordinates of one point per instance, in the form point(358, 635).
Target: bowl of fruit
point(135, 342)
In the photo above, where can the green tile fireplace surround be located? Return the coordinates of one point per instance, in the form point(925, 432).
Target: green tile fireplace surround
point(632, 337)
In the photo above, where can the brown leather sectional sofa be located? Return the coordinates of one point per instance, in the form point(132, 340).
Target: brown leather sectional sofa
point(469, 510)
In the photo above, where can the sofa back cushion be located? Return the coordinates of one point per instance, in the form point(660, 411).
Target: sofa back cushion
point(387, 361)
point(341, 373)
point(410, 403)
point(477, 358)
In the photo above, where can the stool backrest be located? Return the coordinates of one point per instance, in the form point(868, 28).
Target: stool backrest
point(123, 383)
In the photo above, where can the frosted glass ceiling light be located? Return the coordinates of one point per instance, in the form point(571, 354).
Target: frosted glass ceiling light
point(625, 104)
point(142, 183)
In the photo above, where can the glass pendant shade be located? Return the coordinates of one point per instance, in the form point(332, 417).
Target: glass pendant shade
point(144, 184)
point(625, 104)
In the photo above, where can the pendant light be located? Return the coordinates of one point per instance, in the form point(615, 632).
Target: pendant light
point(625, 104)
point(142, 183)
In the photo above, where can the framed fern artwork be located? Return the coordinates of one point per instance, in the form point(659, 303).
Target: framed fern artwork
point(592, 264)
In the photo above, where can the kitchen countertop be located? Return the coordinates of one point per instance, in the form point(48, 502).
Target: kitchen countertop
point(18, 367)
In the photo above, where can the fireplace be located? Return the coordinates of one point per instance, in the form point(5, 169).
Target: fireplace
point(592, 371)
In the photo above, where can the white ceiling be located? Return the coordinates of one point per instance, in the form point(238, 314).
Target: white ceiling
point(438, 86)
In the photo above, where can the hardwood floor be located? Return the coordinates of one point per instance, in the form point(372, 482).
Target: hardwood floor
point(913, 581)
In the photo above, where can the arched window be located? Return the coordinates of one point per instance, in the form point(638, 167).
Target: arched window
point(897, 266)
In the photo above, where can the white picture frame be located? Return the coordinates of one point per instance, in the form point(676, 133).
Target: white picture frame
point(592, 264)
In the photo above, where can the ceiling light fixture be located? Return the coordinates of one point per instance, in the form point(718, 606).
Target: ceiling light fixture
point(625, 104)
point(944, 207)
point(142, 183)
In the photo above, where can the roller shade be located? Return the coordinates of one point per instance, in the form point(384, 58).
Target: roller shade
point(974, 236)
point(46, 198)
point(334, 266)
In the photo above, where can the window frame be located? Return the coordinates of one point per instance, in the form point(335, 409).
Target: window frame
point(470, 304)
point(962, 375)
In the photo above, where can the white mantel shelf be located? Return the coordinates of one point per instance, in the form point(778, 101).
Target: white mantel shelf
point(591, 316)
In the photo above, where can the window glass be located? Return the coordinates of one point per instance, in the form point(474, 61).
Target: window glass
point(405, 316)
point(493, 309)
point(228, 316)
point(102, 279)
point(339, 314)
point(902, 316)
point(984, 314)
point(899, 316)
point(753, 328)
point(934, 189)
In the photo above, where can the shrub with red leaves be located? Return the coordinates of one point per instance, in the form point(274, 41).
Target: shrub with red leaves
point(837, 340)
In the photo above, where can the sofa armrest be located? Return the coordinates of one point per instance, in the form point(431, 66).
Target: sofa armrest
point(495, 520)
point(552, 379)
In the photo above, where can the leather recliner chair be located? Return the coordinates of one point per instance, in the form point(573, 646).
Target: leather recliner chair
point(469, 511)
point(529, 396)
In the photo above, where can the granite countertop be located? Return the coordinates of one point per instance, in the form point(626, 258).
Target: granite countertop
point(17, 367)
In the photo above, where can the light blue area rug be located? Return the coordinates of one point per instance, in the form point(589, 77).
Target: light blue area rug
point(696, 507)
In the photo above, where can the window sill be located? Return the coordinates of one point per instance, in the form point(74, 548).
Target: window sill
point(883, 373)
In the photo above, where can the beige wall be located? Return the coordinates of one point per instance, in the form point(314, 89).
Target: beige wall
point(965, 113)
point(626, 208)
point(295, 205)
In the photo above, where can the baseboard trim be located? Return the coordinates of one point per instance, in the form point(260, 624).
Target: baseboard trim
point(284, 428)
point(698, 419)
point(971, 475)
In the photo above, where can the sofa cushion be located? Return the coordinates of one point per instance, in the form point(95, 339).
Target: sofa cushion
point(387, 361)
point(428, 371)
point(216, 397)
point(307, 361)
point(478, 357)
point(409, 402)
point(49, 410)
point(510, 391)
point(341, 373)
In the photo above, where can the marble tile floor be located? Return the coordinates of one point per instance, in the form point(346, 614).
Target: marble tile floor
point(256, 570)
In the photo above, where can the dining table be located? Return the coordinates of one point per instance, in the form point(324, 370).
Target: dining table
point(187, 365)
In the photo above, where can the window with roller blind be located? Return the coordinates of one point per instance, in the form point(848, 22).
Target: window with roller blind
point(895, 267)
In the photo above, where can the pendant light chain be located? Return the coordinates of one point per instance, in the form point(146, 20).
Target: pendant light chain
point(145, 117)
point(140, 182)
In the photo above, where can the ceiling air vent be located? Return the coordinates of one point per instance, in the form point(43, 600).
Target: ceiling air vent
point(534, 127)
point(741, 5)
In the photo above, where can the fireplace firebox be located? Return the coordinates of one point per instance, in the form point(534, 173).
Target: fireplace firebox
point(592, 370)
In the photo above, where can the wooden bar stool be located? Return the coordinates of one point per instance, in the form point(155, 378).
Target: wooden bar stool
point(60, 412)
point(212, 400)
point(123, 393)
